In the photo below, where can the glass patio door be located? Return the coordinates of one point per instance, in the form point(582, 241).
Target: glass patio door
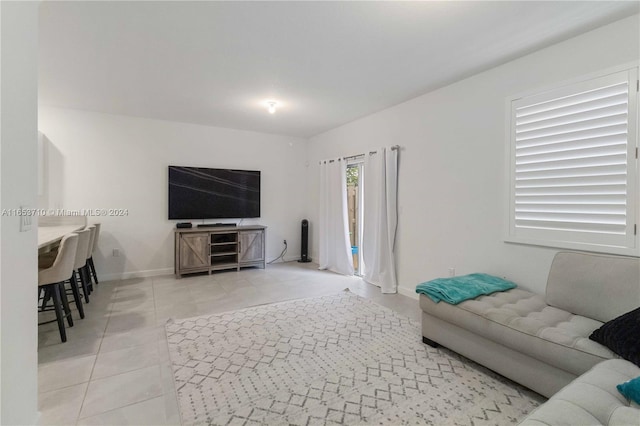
point(354, 206)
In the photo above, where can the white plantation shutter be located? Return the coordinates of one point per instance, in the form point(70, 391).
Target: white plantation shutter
point(574, 167)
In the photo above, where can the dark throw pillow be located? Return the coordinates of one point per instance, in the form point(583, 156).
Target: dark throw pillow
point(622, 336)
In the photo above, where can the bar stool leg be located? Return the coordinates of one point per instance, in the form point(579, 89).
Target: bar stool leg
point(87, 277)
point(57, 305)
point(42, 292)
point(78, 275)
point(93, 270)
point(45, 297)
point(65, 303)
point(76, 295)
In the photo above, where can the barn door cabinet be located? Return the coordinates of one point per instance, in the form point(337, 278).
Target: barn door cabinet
point(219, 248)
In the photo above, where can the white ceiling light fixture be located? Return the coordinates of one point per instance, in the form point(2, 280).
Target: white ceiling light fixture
point(271, 106)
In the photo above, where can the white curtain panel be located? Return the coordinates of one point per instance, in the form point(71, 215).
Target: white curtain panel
point(380, 219)
point(335, 249)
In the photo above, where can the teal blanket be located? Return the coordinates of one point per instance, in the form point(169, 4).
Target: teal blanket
point(458, 289)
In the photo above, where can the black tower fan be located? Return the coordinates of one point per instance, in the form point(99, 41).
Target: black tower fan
point(304, 247)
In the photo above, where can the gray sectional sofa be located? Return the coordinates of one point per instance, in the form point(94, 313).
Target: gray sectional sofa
point(591, 399)
point(540, 341)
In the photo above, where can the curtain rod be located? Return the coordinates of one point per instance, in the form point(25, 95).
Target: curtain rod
point(393, 148)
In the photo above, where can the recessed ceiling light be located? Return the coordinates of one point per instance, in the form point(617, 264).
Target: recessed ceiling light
point(271, 106)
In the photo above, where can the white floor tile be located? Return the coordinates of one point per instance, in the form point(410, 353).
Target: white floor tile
point(125, 321)
point(150, 412)
point(70, 349)
point(126, 339)
point(123, 360)
point(60, 374)
point(82, 329)
point(124, 389)
point(62, 406)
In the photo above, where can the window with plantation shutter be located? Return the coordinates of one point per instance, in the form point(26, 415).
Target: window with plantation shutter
point(573, 166)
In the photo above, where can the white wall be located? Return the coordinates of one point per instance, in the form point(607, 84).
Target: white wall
point(452, 186)
point(18, 250)
point(109, 161)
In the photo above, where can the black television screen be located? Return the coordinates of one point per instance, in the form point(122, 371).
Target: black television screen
point(201, 193)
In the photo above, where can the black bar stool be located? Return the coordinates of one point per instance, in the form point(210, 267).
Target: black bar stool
point(51, 282)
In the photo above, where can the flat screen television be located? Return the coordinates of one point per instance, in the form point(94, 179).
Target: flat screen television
point(202, 193)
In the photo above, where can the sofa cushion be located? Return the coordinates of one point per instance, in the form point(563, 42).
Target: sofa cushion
point(522, 321)
point(622, 336)
point(595, 286)
point(591, 399)
point(625, 416)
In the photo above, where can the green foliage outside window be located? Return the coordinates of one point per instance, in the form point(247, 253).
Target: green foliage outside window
point(352, 176)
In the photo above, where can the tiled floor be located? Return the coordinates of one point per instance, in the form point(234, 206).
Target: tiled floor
point(114, 369)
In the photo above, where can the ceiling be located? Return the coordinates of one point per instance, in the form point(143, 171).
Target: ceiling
point(329, 63)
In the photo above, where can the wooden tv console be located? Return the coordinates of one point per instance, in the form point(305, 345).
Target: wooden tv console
point(219, 248)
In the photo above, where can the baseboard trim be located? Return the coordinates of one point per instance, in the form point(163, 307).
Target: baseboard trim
point(408, 292)
point(135, 274)
point(157, 272)
point(286, 259)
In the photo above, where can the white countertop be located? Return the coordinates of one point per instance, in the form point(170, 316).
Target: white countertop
point(48, 235)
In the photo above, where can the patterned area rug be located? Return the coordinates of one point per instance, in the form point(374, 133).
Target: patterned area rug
point(338, 359)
